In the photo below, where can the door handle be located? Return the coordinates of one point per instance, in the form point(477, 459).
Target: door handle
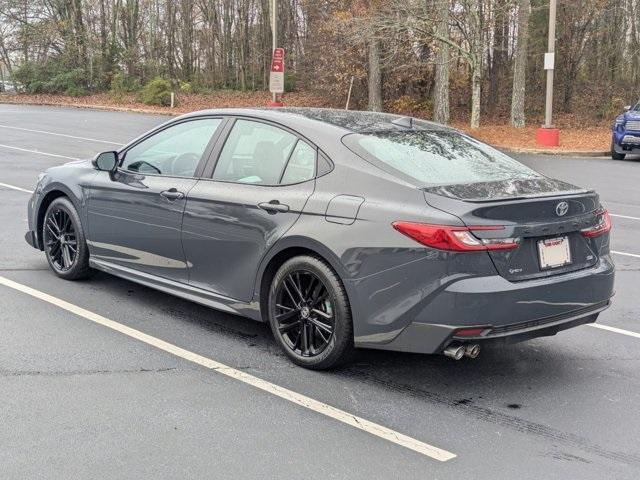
point(172, 194)
point(274, 206)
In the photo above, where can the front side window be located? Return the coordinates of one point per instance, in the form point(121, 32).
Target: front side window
point(175, 151)
point(437, 157)
point(256, 153)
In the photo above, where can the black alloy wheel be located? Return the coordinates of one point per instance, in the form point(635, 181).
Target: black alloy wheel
point(64, 241)
point(60, 239)
point(309, 313)
point(304, 313)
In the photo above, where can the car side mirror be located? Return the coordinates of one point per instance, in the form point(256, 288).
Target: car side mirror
point(106, 161)
point(627, 108)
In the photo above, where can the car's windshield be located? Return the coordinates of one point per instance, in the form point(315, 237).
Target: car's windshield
point(636, 108)
point(437, 157)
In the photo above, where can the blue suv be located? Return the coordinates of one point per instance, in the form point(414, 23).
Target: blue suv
point(626, 133)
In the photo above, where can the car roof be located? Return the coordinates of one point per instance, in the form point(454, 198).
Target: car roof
point(348, 121)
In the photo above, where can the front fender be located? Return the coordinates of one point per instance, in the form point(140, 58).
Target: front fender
point(59, 181)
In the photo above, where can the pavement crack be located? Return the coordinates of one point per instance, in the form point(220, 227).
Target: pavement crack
point(19, 269)
point(71, 373)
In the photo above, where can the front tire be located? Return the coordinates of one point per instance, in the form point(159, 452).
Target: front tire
point(64, 242)
point(309, 313)
point(615, 155)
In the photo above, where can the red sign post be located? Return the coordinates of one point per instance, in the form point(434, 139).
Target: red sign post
point(276, 78)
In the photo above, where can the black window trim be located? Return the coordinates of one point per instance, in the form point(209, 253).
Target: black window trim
point(214, 156)
point(122, 153)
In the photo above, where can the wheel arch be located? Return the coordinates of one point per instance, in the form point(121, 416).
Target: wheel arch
point(288, 248)
point(53, 192)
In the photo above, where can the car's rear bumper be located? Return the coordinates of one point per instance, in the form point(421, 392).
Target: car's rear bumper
point(507, 311)
point(430, 338)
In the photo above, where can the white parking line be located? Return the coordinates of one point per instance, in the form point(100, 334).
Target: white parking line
point(634, 255)
point(624, 216)
point(284, 393)
point(13, 187)
point(614, 329)
point(38, 152)
point(60, 135)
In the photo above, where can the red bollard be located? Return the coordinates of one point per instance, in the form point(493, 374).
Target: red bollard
point(548, 137)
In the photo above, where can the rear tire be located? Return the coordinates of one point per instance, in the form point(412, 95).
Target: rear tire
point(615, 155)
point(64, 241)
point(309, 314)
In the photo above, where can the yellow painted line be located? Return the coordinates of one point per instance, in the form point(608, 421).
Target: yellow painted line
point(284, 393)
point(45, 132)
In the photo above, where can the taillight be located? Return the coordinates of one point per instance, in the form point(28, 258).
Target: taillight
point(603, 226)
point(454, 238)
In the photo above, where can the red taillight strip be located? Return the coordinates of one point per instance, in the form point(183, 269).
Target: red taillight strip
point(454, 238)
point(603, 226)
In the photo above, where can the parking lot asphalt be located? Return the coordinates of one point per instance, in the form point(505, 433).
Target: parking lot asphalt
point(83, 401)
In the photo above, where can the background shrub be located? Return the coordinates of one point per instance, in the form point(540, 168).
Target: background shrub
point(185, 87)
point(157, 92)
point(51, 77)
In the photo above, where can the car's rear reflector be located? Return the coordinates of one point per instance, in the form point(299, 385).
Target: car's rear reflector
point(469, 332)
point(603, 226)
point(455, 238)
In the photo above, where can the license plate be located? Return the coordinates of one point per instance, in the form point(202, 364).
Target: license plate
point(554, 252)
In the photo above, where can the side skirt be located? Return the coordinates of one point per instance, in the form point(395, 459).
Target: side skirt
point(193, 294)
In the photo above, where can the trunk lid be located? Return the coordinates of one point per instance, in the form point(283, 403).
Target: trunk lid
point(533, 210)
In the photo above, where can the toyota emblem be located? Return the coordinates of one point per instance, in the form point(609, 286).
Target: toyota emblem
point(562, 208)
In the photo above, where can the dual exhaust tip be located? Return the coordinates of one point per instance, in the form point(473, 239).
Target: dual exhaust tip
point(458, 351)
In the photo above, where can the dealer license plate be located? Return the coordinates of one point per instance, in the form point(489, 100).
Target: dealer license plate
point(554, 252)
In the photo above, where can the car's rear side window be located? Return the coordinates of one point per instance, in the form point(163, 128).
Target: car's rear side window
point(254, 152)
point(436, 157)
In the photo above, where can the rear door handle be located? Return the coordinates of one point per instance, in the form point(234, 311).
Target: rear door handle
point(274, 206)
point(172, 194)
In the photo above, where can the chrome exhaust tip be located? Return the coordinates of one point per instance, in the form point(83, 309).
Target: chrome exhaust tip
point(472, 351)
point(456, 352)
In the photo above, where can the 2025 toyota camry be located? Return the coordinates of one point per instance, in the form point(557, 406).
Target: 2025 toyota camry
point(340, 229)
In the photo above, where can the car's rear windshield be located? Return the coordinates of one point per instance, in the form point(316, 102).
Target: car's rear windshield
point(436, 157)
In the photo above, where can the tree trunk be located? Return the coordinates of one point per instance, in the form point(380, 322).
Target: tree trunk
point(520, 66)
point(476, 93)
point(441, 87)
point(375, 76)
point(498, 59)
point(475, 62)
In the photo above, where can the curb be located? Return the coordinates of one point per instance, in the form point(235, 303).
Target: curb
point(112, 108)
point(557, 153)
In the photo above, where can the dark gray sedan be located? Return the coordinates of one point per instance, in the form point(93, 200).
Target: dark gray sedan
point(340, 229)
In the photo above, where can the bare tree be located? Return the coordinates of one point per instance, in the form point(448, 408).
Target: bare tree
point(375, 76)
point(518, 95)
point(441, 84)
